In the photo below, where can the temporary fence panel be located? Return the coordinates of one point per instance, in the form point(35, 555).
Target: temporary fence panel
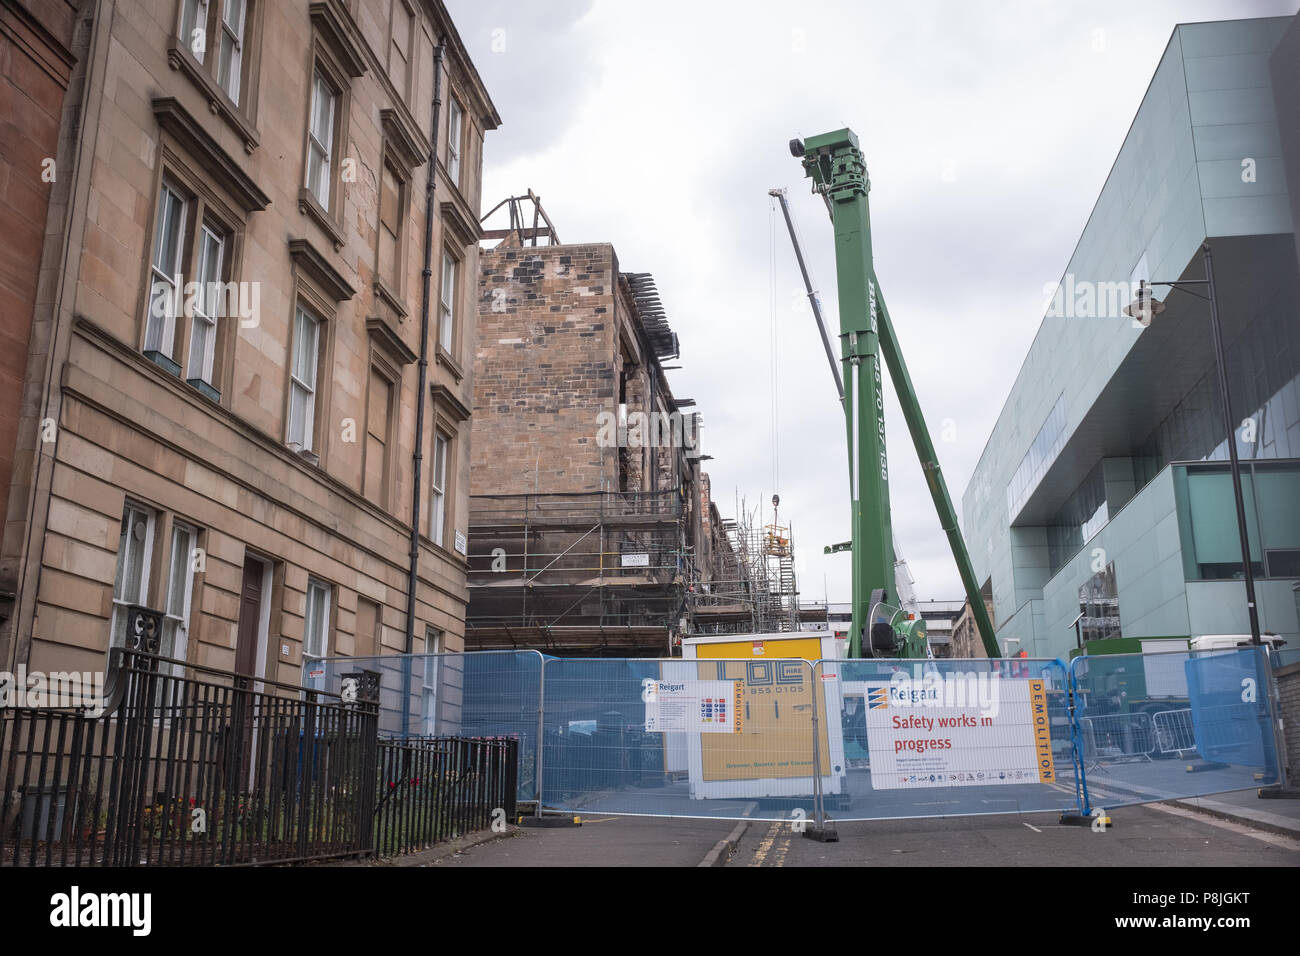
point(1174, 731)
point(1138, 745)
point(1118, 736)
point(951, 737)
point(1285, 656)
point(774, 737)
point(709, 738)
point(477, 694)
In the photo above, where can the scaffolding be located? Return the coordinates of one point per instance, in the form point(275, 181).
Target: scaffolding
point(613, 573)
point(753, 588)
point(584, 573)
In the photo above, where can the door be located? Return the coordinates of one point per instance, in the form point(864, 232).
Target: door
point(250, 617)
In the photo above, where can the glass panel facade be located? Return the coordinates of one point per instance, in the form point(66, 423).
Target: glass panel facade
point(1084, 514)
point(1277, 487)
point(1099, 605)
point(1264, 376)
point(1042, 452)
point(1263, 366)
point(1207, 519)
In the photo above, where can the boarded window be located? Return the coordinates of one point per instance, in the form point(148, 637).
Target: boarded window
point(390, 227)
point(367, 637)
point(377, 430)
point(399, 53)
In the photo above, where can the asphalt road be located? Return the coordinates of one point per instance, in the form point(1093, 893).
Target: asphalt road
point(602, 840)
point(1139, 836)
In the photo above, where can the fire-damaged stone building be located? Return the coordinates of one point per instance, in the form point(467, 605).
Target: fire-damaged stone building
point(590, 525)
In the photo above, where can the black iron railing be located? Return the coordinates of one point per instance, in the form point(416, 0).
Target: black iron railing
point(190, 765)
point(433, 789)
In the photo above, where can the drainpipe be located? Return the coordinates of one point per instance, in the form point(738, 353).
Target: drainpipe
point(417, 458)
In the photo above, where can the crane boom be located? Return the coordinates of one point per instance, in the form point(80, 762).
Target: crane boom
point(812, 293)
point(835, 163)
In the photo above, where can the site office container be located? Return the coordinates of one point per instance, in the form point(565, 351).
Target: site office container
point(773, 754)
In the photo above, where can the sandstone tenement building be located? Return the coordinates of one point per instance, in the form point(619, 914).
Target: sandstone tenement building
point(241, 462)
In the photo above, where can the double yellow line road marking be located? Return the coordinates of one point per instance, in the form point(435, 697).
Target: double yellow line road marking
point(775, 844)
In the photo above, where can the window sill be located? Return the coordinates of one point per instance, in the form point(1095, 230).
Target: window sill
point(390, 298)
point(204, 389)
point(310, 457)
point(450, 181)
point(444, 552)
point(163, 361)
point(219, 102)
point(444, 358)
point(308, 204)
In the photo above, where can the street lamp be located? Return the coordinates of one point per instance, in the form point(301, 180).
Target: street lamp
point(1143, 309)
point(1078, 631)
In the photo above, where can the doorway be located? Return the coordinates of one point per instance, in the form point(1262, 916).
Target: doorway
point(252, 603)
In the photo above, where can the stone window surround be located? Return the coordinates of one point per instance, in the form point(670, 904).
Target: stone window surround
point(448, 414)
point(410, 46)
point(331, 612)
point(447, 356)
point(205, 204)
point(240, 117)
point(454, 105)
point(448, 433)
point(133, 507)
point(393, 297)
point(459, 237)
point(308, 293)
point(155, 579)
point(337, 74)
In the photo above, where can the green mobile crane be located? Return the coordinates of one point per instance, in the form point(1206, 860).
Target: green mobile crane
point(834, 163)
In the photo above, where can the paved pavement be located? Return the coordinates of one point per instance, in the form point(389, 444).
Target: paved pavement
point(1140, 836)
point(1245, 806)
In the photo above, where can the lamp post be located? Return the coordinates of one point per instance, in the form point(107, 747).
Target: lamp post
point(1078, 631)
point(1143, 309)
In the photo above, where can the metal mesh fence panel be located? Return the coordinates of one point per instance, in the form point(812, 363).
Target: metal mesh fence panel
point(1180, 724)
point(713, 738)
point(477, 694)
point(948, 737)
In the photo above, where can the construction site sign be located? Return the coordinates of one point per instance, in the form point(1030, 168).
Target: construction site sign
point(693, 706)
point(957, 730)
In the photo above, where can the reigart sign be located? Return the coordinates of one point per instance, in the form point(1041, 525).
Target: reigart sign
point(692, 706)
point(970, 730)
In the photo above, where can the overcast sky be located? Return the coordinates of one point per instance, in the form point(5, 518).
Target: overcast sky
point(988, 129)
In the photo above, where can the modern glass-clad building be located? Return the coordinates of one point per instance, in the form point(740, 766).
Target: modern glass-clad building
point(1103, 494)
